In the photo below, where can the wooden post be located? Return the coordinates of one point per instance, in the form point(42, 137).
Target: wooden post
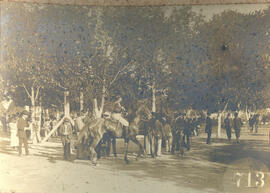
point(53, 130)
point(67, 115)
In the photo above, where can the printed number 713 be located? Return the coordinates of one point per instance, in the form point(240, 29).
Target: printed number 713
point(241, 175)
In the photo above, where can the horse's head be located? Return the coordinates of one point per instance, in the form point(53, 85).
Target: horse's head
point(143, 111)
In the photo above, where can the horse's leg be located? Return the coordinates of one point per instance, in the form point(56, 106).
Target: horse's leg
point(126, 150)
point(181, 143)
point(152, 145)
point(167, 144)
point(156, 145)
point(170, 143)
point(140, 146)
point(98, 149)
point(93, 152)
point(148, 144)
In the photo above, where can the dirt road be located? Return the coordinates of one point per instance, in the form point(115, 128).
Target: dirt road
point(205, 168)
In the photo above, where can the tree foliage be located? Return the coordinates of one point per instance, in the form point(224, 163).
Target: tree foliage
point(192, 62)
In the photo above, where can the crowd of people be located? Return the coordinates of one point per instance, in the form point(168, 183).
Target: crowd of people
point(176, 131)
point(184, 127)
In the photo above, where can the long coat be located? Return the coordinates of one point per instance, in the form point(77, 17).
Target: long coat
point(227, 123)
point(237, 124)
point(208, 126)
point(21, 124)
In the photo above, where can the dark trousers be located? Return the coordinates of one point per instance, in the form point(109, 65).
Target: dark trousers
point(229, 133)
point(186, 140)
point(67, 151)
point(176, 142)
point(111, 140)
point(23, 140)
point(208, 141)
point(237, 134)
point(256, 128)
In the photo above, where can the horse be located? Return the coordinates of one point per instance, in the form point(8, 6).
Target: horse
point(98, 127)
point(83, 139)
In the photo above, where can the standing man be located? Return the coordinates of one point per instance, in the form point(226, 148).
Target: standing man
point(21, 124)
point(237, 124)
point(228, 126)
point(187, 132)
point(176, 133)
point(208, 128)
point(256, 122)
point(66, 134)
point(251, 122)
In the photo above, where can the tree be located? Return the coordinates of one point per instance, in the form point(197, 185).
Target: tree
point(234, 61)
point(23, 59)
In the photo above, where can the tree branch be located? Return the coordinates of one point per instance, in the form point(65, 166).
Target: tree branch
point(37, 93)
point(225, 108)
point(61, 86)
point(98, 77)
point(27, 91)
point(118, 73)
point(34, 82)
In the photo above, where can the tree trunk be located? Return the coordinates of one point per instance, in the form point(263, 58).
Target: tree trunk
point(81, 101)
point(247, 113)
point(154, 99)
point(66, 104)
point(4, 122)
point(147, 144)
point(219, 124)
point(154, 109)
point(98, 110)
point(35, 122)
point(220, 114)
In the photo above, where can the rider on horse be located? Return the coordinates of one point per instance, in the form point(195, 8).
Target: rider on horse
point(118, 109)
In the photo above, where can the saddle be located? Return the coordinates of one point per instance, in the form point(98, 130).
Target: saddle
point(115, 127)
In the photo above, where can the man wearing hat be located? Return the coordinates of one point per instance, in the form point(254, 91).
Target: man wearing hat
point(118, 109)
point(208, 128)
point(21, 124)
point(66, 134)
point(237, 124)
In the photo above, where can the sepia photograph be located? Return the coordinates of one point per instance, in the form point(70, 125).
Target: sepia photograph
point(134, 98)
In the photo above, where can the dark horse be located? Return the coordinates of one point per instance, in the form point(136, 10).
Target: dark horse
point(98, 127)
